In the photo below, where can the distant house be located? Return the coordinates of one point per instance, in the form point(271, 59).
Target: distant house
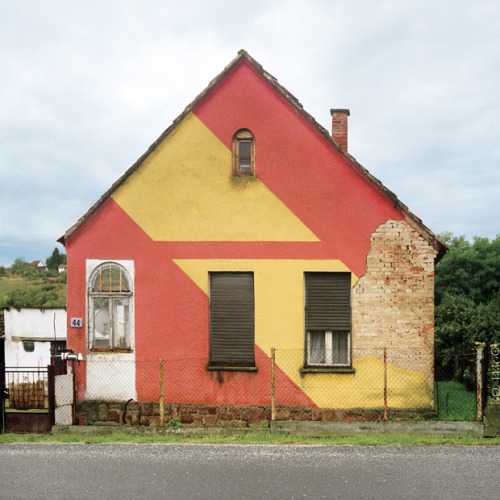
point(248, 230)
point(39, 266)
point(62, 268)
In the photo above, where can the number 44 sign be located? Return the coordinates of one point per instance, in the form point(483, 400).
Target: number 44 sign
point(76, 322)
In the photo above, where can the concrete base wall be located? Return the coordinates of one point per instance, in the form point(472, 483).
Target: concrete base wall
point(492, 421)
point(321, 429)
point(311, 429)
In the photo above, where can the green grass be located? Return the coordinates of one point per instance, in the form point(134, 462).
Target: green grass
point(8, 285)
point(455, 402)
point(258, 437)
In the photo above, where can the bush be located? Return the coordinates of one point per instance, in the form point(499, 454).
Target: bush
point(33, 297)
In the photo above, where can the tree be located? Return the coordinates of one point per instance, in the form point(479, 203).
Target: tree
point(55, 260)
point(21, 268)
point(467, 293)
point(469, 269)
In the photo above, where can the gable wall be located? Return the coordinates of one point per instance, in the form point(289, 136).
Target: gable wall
point(308, 210)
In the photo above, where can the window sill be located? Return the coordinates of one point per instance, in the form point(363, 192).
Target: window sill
point(213, 368)
point(107, 349)
point(327, 369)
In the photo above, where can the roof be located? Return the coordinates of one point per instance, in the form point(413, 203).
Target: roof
point(242, 54)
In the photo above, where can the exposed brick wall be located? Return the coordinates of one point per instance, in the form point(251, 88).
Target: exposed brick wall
point(148, 414)
point(393, 302)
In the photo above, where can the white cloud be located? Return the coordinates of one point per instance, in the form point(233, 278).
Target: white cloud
point(88, 86)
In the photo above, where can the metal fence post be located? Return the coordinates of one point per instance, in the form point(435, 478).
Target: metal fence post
point(385, 383)
point(51, 394)
point(273, 384)
point(162, 416)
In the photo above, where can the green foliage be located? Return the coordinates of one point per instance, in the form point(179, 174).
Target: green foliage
point(55, 259)
point(21, 285)
point(467, 290)
point(22, 268)
point(175, 422)
point(469, 269)
point(33, 297)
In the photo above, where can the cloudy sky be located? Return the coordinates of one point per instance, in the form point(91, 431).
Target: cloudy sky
point(87, 86)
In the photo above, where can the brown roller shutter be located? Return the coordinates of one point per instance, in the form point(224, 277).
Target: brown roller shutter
point(328, 301)
point(232, 319)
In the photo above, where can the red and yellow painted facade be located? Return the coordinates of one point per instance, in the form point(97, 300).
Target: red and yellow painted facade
point(180, 214)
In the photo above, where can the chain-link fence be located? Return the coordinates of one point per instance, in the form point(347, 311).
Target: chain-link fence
point(182, 380)
point(456, 385)
point(382, 383)
point(382, 379)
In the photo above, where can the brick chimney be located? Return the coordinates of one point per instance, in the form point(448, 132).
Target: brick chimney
point(339, 126)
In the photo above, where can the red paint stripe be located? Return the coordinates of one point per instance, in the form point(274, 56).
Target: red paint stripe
point(302, 168)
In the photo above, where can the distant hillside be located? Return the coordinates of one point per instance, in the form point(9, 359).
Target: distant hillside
point(42, 291)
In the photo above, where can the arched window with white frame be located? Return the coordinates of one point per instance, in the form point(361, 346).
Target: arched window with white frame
point(110, 296)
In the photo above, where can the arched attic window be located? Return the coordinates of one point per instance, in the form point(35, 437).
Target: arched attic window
point(243, 154)
point(110, 308)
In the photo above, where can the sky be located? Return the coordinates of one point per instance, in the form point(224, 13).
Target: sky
point(87, 86)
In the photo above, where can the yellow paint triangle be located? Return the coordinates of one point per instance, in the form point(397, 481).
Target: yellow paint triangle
point(185, 191)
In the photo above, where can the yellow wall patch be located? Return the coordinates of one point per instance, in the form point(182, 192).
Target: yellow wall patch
point(185, 191)
point(279, 323)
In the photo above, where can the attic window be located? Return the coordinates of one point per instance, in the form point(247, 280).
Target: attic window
point(243, 154)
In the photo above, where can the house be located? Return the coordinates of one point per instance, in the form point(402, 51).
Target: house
point(31, 333)
point(33, 338)
point(248, 246)
point(62, 268)
point(39, 266)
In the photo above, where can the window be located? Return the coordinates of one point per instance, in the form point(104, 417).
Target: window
point(328, 319)
point(29, 346)
point(232, 319)
point(243, 154)
point(110, 308)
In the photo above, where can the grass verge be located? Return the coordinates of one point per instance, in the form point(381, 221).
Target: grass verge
point(258, 437)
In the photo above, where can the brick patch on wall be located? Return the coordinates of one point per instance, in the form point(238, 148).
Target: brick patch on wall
point(393, 302)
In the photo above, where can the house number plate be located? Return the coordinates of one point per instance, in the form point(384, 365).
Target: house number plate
point(76, 322)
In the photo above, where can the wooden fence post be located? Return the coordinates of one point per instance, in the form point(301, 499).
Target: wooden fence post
point(162, 416)
point(479, 381)
point(273, 384)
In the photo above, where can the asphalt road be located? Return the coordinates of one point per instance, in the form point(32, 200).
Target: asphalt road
point(184, 471)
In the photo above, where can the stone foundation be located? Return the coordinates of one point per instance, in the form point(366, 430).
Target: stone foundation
point(148, 414)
